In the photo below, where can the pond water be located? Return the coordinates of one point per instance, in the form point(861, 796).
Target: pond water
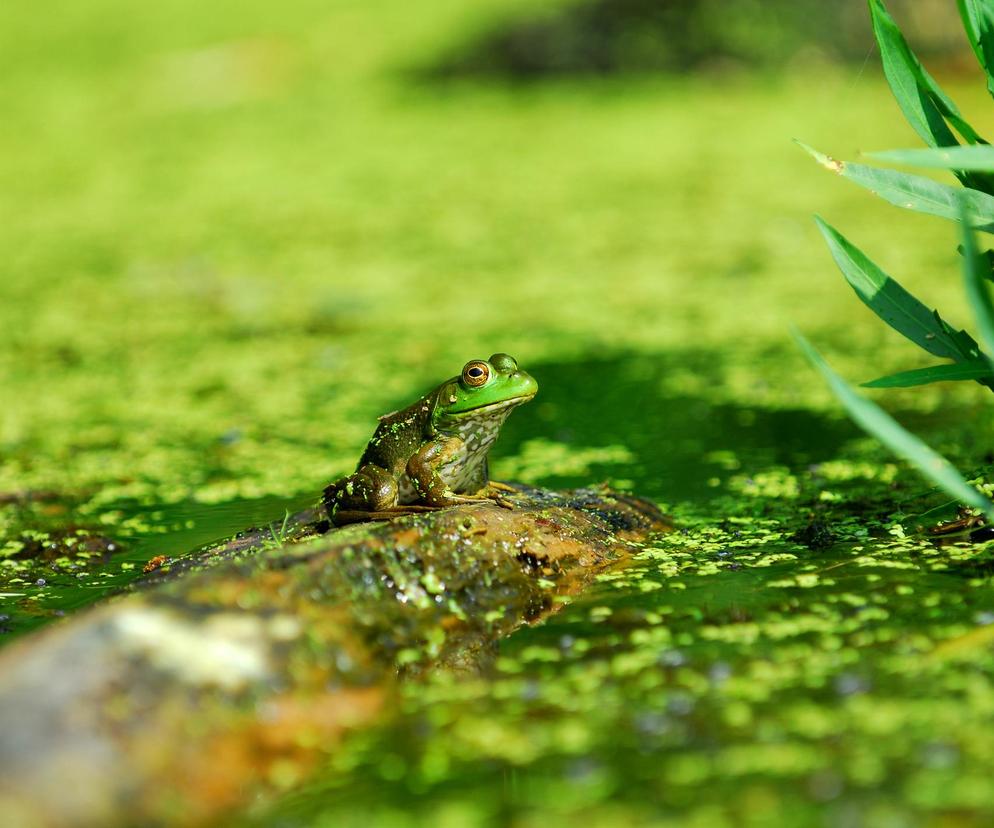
point(210, 293)
point(612, 419)
point(724, 683)
point(779, 651)
point(797, 654)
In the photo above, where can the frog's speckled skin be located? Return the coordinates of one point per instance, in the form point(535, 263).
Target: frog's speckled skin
point(434, 453)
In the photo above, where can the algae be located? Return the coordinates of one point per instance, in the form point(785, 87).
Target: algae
point(211, 290)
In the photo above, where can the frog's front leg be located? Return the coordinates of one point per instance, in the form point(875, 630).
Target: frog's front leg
point(423, 469)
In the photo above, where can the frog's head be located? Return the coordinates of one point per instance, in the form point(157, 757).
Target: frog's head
point(484, 388)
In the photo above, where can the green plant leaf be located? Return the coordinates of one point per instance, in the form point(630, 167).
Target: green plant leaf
point(978, 21)
point(923, 102)
point(985, 262)
point(875, 421)
point(950, 372)
point(927, 108)
point(977, 292)
point(892, 303)
point(912, 192)
point(978, 157)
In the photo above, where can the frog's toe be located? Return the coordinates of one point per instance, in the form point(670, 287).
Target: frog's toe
point(486, 496)
point(503, 487)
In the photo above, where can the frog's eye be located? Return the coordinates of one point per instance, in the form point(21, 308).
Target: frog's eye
point(475, 374)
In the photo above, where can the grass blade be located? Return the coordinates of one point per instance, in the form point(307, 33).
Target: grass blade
point(976, 284)
point(950, 372)
point(978, 21)
point(912, 192)
point(875, 421)
point(892, 303)
point(978, 157)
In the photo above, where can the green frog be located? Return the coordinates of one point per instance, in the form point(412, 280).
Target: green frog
point(433, 453)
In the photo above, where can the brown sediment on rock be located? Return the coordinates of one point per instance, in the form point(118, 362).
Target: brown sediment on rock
point(180, 702)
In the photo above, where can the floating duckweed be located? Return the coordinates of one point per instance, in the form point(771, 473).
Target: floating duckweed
point(540, 459)
point(737, 696)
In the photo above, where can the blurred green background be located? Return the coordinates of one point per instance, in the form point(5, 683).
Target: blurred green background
point(235, 233)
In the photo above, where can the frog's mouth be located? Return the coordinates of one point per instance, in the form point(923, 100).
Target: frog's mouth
point(492, 408)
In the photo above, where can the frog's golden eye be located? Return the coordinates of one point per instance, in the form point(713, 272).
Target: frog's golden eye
point(476, 374)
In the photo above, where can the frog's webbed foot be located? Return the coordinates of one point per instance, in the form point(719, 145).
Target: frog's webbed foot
point(503, 502)
point(494, 490)
point(488, 494)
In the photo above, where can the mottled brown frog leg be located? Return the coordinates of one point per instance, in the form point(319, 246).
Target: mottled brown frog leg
point(368, 494)
point(370, 489)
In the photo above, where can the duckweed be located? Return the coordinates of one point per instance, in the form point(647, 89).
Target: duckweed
point(211, 293)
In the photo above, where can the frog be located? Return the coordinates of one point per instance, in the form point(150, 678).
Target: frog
point(434, 453)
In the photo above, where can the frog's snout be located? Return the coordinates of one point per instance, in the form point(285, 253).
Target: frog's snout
point(525, 382)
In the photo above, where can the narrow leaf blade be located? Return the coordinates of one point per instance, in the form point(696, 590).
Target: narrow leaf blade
point(912, 192)
point(978, 21)
point(892, 303)
point(977, 157)
point(875, 421)
point(924, 104)
point(926, 107)
point(976, 284)
point(952, 372)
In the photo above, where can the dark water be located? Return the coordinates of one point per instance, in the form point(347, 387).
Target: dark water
point(74, 563)
point(675, 438)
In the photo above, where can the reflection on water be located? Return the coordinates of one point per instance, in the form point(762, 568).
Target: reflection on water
point(185, 526)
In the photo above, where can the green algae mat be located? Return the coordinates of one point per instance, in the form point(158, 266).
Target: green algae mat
point(234, 237)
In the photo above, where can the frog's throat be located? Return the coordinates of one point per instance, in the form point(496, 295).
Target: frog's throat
point(486, 410)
